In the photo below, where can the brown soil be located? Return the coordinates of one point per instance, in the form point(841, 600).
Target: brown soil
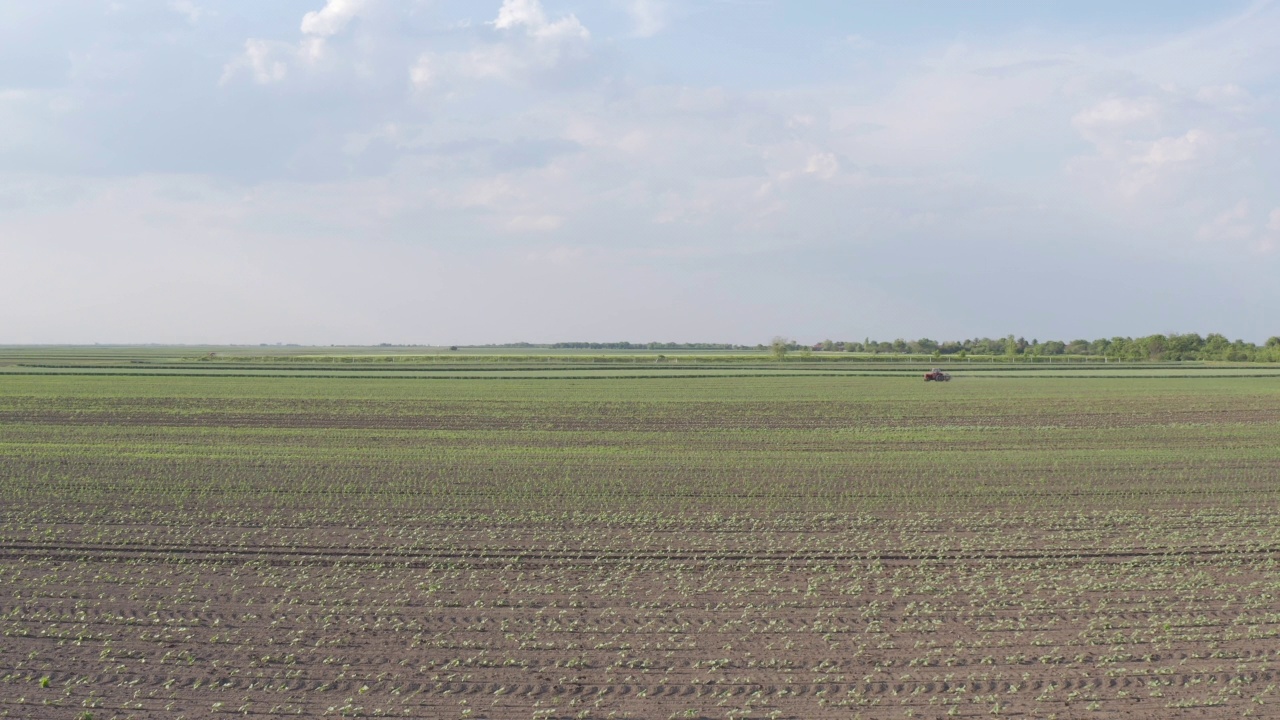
point(801, 617)
point(598, 417)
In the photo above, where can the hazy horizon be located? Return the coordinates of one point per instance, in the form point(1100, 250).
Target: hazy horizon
point(355, 172)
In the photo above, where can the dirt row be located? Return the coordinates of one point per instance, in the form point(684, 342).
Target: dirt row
point(525, 621)
point(502, 556)
point(764, 417)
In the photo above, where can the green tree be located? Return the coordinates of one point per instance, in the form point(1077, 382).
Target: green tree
point(1216, 347)
point(778, 348)
point(1156, 346)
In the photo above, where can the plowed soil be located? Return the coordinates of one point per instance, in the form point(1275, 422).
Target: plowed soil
point(794, 618)
point(644, 549)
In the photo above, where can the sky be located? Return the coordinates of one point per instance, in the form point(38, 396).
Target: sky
point(488, 171)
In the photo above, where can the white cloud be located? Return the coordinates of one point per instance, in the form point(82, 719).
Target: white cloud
point(320, 25)
point(515, 13)
point(1138, 161)
point(262, 59)
point(823, 165)
point(535, 223)
point(492, 62)
point(1114, 117)
point(528, 14)
point(796, 162)
point(332, 18)
point(563, 30)
point(1270, 241)
point(269, 61)
point(529, 44)
point(1179, 149)
point(188, 9)
point(944, 111)
point(1236, 228)
point(1232, 225)
point(648, 16)
point(1229, 96)
point(423, 72)
point(517, 139)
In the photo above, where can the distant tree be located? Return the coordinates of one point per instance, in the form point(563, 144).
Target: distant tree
point(1216, 347)
point(1183, 347)
point(778, 347)
point(1156, 346)
point(1174, 346)
point(1240, 352)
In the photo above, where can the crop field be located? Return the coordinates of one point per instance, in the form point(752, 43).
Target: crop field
point(214, 540)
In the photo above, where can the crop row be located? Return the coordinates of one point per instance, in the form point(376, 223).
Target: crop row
point(802, 617)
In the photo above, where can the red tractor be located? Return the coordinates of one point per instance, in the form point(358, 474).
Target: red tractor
point(936, 374)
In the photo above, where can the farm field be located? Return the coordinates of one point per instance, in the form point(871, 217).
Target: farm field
point(564, 543)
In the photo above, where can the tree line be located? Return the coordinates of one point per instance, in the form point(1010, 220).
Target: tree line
point(1172, 347)
point(1160, 347)
point(649, 346)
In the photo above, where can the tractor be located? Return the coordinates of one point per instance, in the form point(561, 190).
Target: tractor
point(936, 374)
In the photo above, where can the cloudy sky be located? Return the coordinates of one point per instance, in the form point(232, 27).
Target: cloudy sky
point(469, 171)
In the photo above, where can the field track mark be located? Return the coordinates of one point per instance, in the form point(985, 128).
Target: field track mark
point(78, 551)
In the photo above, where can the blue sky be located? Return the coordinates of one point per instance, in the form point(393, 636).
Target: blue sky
point(438, 171)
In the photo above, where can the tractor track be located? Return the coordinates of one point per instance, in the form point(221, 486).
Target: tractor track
point(77, 551)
